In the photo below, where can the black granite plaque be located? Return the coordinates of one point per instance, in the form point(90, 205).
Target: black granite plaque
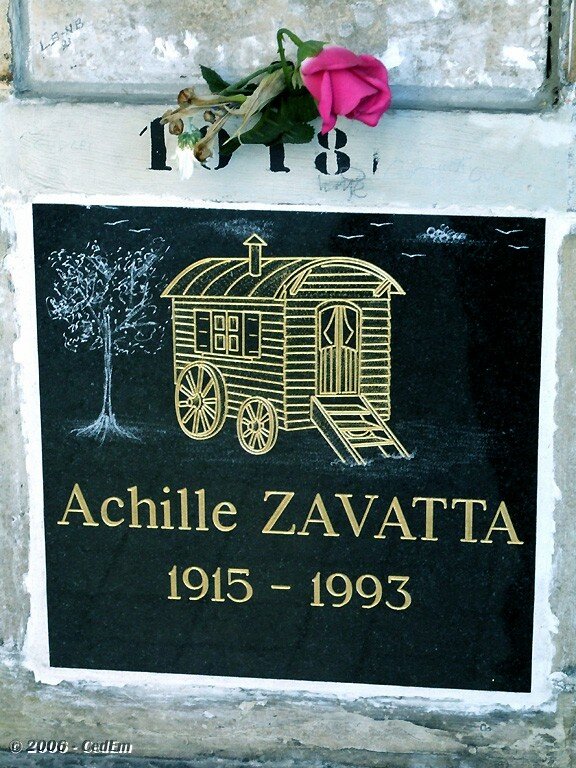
point(291, 445)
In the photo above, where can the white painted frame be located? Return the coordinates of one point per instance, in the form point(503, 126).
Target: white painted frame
point(21, 264)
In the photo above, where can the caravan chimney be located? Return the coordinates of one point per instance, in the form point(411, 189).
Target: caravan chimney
point(255, 245)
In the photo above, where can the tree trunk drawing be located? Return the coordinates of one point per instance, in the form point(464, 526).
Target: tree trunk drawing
point(107, 302)
point(107, 398)
point(106, 424)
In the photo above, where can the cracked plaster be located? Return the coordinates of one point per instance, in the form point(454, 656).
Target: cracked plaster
point(430, 43)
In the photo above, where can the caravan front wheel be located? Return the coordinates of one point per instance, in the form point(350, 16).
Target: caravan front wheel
point(200, 400)
point(257, 425)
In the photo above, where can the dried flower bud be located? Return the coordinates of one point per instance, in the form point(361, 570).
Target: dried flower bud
point(176, 127)
point(186, 96)
point(209, 116)
point(202, 152)
point(167, 116)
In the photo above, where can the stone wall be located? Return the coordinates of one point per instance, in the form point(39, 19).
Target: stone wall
point(435, 161)
point(4, 41)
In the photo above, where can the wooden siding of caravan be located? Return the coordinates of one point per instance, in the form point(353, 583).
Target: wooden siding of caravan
point(302, 353)
point(244, 377)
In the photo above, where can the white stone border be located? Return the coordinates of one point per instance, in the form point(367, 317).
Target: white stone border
point(21, 265)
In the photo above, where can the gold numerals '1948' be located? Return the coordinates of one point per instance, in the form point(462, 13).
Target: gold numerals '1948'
point(222, 585)
point(368, 588)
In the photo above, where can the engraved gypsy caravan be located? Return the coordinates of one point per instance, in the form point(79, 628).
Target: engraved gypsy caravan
point(284, 343)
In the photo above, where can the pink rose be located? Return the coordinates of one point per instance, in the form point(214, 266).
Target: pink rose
point(346, 84)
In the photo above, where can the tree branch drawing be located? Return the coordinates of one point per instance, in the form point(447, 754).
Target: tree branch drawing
point(107, 301)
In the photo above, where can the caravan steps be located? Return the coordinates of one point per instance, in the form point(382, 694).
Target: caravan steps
point(350, 425)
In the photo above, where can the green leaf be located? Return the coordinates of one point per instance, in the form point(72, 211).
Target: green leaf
point(285, 119)
point(213, 79)
point(301, 133)
point(266, 131)
point(298, 107)
point(309, 49)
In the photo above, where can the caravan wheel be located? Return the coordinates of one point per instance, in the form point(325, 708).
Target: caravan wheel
point(200, 400)
point(257, 425)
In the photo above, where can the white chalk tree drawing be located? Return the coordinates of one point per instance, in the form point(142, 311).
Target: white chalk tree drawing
point(107, 301)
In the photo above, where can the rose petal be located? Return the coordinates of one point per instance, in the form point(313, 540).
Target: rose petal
point(374, 66)
point(378, 103)
point(346, 84)
point(348, 90)
point(313, 83)
point(330, 57)
point(325, 104)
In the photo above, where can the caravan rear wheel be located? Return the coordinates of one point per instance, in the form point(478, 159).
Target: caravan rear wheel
point(257, 425)
point(200, 400)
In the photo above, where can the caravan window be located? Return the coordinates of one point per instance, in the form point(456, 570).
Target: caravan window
point(223, 332)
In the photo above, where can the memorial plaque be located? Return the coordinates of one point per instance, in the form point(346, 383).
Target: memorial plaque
point(291, 445)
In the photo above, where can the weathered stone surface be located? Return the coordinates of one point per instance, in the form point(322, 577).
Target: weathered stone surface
point(430, 160)
point(430, 43)
point(461, 160)
point(13, 515)
point(565, 607)
point(280, 730)
point(5, 55)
